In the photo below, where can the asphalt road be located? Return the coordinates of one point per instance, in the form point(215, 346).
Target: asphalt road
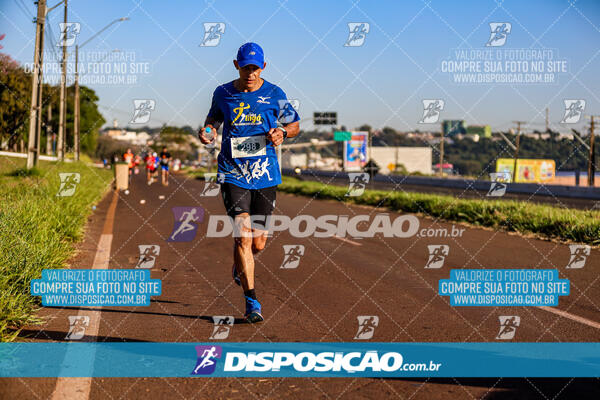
point(335, 282)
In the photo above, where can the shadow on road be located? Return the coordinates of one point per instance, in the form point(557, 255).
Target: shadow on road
point(60, 336)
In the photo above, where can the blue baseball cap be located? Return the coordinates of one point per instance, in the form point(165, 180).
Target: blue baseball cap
point(250, 53)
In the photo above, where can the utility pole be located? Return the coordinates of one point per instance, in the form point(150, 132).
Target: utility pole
point(33, 145)
point(62, 118)
point(40, 110)
point(49, 141)
point(442, 151)
point(517, 141)
point(592, 156)
point(547, 124)
point(76, 111)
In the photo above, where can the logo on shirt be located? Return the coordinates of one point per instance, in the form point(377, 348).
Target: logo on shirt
point(243, 118)
point(263, 99)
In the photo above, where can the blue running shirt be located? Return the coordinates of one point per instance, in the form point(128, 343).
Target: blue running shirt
point(247, 158)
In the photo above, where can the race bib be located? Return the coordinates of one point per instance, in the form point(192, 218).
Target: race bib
point(249, 146)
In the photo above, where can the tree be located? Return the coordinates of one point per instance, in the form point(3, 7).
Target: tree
point(15, 97)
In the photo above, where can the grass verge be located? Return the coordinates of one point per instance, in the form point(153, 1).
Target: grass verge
point(38, 230)
point(514, 216)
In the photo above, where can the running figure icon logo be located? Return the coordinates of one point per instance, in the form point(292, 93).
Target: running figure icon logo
point(358, 33)
point(498, 185)
point(186, 223)
point(207, 359)
point(431, 111)
point(366, 326)
point(223, 324)
point(142, 109)
point(358, 183)
point(579, 255)
point(68, 183)
point(499, 31)
point(292, 254)
point(437, 255)
point(212, 34)
point(212, 184)
point(508, 327)
point(148, 254)
point(77, 326)
point(68, 33)
point(573, 111)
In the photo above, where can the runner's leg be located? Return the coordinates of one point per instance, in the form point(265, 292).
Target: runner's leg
point(242, 252)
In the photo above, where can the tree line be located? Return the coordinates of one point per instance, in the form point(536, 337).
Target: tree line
point(15, 100)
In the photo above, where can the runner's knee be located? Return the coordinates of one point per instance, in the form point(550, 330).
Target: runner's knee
point(243, 242)
point(258, 245)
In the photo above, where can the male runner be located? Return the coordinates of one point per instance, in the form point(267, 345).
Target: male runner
point(249, 108)
point(165, 158)
point(128, 157)
point(150, 168)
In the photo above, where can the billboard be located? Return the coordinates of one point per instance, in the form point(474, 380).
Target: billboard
point(528, 171)
point(355, 151)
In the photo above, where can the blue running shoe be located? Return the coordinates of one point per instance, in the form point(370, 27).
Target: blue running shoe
point(253, 310)
point(236, 277)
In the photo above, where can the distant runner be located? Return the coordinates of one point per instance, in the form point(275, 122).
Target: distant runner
point(165, 158)
point(250, 109)
point(129, 158)
point(150, 167)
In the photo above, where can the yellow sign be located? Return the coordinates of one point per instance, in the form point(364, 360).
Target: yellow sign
point(528, 171)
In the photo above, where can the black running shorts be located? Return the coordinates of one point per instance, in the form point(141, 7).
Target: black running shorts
point(258, 202)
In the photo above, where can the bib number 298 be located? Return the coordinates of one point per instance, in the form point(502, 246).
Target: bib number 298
point(248, 146)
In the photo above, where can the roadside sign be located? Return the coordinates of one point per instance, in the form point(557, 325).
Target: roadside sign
point(325, 118)
point(341, 136)
point(355, 151)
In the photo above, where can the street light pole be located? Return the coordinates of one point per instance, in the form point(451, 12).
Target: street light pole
point(77, 105)
point(517, 140)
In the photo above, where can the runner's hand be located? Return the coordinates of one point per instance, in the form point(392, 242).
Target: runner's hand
point(275, 135)
point(207, 138)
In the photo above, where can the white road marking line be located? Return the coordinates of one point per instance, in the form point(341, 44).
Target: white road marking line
point(347, 240)
point(79, 388)
point(577, 318)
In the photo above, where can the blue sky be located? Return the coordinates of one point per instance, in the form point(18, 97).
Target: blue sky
point(382, 82)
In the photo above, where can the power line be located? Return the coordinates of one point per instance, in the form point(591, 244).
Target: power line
point(28, 14)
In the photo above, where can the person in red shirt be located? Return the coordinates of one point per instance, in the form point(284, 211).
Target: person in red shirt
point(150, 167)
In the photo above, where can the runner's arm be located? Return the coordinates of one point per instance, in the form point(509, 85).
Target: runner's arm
point(275, 135)
point(214, 125)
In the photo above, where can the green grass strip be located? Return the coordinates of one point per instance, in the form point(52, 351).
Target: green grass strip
point(38, 230)
point(546, 221)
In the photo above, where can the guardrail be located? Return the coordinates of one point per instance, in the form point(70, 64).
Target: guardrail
point(581, 192)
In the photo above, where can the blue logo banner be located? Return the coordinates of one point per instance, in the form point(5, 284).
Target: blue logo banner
point(299, 359)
